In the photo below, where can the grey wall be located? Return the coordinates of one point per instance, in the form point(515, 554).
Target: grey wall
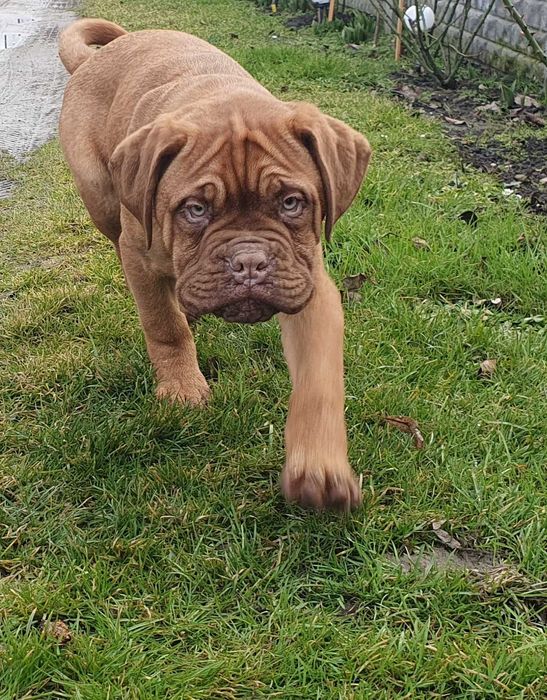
point(500, 40)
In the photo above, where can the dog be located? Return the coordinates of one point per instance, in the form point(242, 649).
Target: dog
point(215, 194)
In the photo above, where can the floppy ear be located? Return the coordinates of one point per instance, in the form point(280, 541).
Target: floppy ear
point(139, 162)
point(341, 155)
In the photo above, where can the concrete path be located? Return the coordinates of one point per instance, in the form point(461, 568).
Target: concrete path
point(32, 78)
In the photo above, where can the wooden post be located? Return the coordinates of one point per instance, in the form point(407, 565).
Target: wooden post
point(332, 5)
point(378, 29)
point(398, 38)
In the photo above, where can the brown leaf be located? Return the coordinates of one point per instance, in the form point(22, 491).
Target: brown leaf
point(490, 107)
point(355, 297)
point(445, 537)
point(58, 630)
point(420, 244)
point(406, 425)
point(487, 368)
point(407, 92)
point(354, 282)
point(534, 119)
point(526, 101)
point(455, 122)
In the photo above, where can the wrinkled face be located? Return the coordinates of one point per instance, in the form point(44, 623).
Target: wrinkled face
point(233, 196)
point(242, 219)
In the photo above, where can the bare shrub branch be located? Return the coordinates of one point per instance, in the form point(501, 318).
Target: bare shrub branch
point(538, 52)
point(440, 56)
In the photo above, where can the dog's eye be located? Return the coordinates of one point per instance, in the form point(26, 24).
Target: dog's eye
point(292, 205)
point(195, 211)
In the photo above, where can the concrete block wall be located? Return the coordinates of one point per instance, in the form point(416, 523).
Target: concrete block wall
point(500, 40)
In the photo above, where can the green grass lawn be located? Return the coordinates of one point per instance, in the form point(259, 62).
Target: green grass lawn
point(158, 535)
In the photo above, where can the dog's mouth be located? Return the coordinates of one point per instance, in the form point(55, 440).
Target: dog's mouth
point(246, 311)
point(242, 304)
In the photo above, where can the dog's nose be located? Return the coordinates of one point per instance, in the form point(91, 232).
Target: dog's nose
point(249, 267)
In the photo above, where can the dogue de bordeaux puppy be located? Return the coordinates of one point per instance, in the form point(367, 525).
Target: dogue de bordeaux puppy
point(214, 194)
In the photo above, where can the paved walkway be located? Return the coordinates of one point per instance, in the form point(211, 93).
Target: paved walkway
point(32, 78)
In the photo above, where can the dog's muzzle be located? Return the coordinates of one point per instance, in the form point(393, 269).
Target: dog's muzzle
point(246, 287)
point(247, 311)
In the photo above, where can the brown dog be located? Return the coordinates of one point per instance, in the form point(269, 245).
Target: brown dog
point(214, 193)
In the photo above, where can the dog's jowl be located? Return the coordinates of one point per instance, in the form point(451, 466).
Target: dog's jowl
point(215, 194)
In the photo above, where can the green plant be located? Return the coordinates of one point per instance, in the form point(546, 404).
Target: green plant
point(360, 29)
point(322, 28)
point(507, 94)
point(298, 5)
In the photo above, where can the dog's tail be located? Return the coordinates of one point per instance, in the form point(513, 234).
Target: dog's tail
point(75, 44)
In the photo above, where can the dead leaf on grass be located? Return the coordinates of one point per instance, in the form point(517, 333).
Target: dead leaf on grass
point(533, 119)
point(407, 92)
point(354, 282)
point(487, 368)
point(420, 244)
point(444, 536)
point(526, 101)
point(407, 425)
point(455, 122)
point(490, 107)
point(56, 629)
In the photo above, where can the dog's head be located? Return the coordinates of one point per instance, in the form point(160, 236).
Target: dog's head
point(238, 196)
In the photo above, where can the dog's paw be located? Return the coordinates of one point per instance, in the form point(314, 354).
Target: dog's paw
point(194, 392)
point(321, 487)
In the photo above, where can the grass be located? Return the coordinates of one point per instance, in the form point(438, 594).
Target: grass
point(158, 535)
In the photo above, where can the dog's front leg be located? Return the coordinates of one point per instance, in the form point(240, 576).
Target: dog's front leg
point(317, 473)
point(169, 339)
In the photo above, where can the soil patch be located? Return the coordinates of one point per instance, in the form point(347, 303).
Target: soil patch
point(306, 19)
point(475, 120)
point(440, 559)
point(495, 580)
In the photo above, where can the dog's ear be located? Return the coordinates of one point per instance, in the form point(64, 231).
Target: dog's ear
point(340, 153)
point(139, 162)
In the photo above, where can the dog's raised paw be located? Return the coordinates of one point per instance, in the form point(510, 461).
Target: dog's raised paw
point(321, 488)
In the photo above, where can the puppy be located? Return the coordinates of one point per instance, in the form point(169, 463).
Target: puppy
point(214, 194)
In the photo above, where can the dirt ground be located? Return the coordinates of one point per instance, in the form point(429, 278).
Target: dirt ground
point(480, 126)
